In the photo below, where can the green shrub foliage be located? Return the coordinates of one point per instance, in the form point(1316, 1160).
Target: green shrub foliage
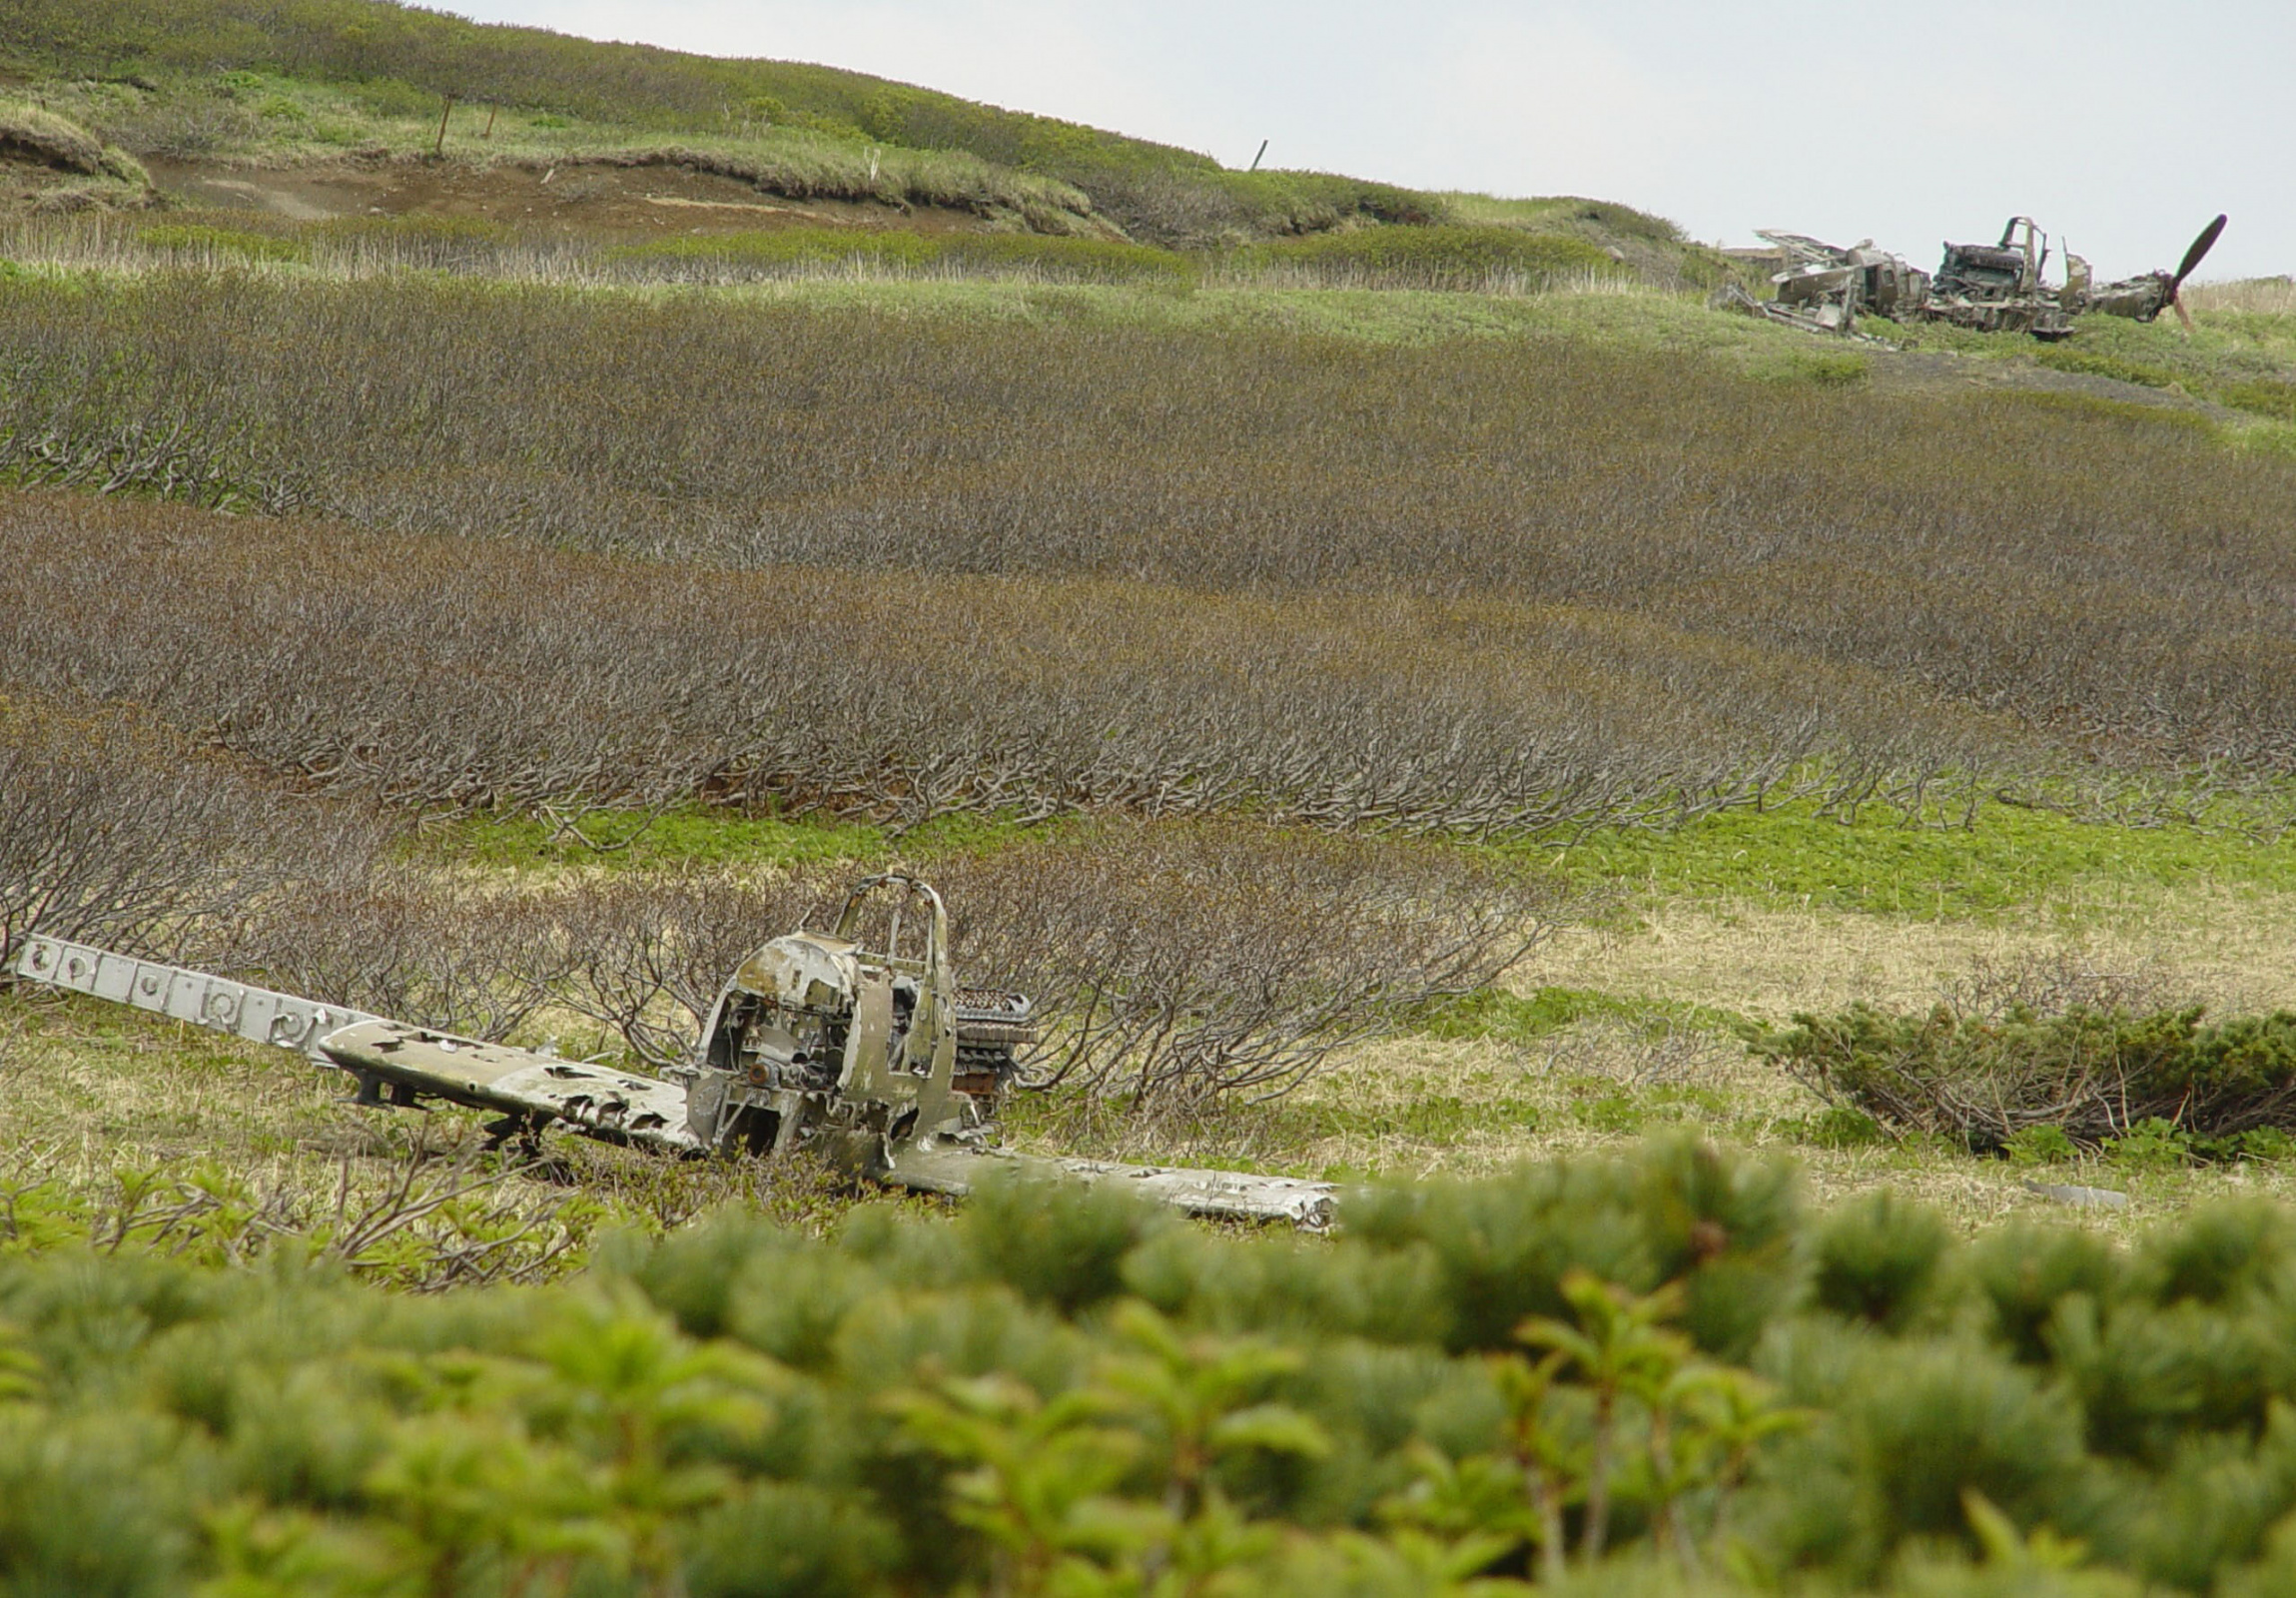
point(2150, 1085)
point(1473, 1388)
point(1876, 1259)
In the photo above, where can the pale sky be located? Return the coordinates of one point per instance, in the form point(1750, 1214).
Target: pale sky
point(2121, 126)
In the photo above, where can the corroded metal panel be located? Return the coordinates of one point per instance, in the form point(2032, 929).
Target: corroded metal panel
point(951, 1170)
point(614, 1105)
point(256, 1014)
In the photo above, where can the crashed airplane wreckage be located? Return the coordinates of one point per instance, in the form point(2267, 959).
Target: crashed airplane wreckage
point(877, 1061)
point(1997, 288)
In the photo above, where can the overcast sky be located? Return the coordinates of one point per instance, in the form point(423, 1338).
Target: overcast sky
point(2121, 125)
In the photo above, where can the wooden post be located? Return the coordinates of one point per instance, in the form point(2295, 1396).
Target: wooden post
point(492, 113)
point(440, 149)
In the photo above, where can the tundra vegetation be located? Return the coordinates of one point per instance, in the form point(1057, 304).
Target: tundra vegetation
point(1407, 690)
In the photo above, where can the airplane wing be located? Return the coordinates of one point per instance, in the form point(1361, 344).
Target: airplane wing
point(409, 1062)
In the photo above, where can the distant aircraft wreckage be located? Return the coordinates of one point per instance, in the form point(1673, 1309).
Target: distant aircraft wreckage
point(873, 1058)
point(1996, 288)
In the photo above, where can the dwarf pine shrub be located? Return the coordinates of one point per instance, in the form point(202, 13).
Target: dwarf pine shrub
point(1876, 1259)
point(1499, 1382)
point(2143, 1082)
point(2023, 1275)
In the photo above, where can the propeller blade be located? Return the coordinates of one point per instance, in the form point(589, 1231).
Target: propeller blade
point(2195, 255)
point(2182, 315)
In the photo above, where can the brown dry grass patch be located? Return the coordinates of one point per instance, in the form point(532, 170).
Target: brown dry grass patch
point(2215, 942)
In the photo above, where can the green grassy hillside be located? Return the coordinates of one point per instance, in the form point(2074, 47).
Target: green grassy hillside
point(320, 80)
point(394, 61)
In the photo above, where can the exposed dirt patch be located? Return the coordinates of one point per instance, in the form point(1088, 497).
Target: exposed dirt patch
point(579, 197)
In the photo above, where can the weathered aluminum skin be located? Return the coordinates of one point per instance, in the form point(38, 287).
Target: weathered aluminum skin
point(887, 1112)
point(952, 1168)
point(379, 1053)
point(609, 1105)
point(814, 969)
point(255, 1014)
point(1989, 288)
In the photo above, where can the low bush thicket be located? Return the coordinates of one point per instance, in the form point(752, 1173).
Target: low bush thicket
point(113, 829)
point(212, 244)
point(1645, 1376)
point(2269, 396)
point(2119, 582)
point(437, 672)
point(744, 257)
point(2044, 1058)
point(804, 166)
point(424, 1219)
point(1174, 964)
point(1185, 961)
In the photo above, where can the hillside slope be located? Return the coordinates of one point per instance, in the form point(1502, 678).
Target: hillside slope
point(170, 53)
point(367, 88)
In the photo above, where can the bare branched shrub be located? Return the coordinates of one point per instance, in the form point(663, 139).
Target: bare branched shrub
point(2120, 585)
point(399, 944)
point(2056, 984)
point(167, 458)
point(435, 672)
point(113, 830)
point(1181, 964)
point(1640, 1051)
point(187, 127)
point(647, 956)
point(1175, 964)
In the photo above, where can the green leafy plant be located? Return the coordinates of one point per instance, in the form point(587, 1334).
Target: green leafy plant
point(2039, 1146)
point(1036, 1478)
point(2153, 1144)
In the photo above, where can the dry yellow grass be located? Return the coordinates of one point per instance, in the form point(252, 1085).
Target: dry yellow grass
point(29, 132)
point(82, 1099)
point(88, 1095)
point(84, 1093)
point(1602, 1083)
point(2274, 296)
point(2232, 950)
